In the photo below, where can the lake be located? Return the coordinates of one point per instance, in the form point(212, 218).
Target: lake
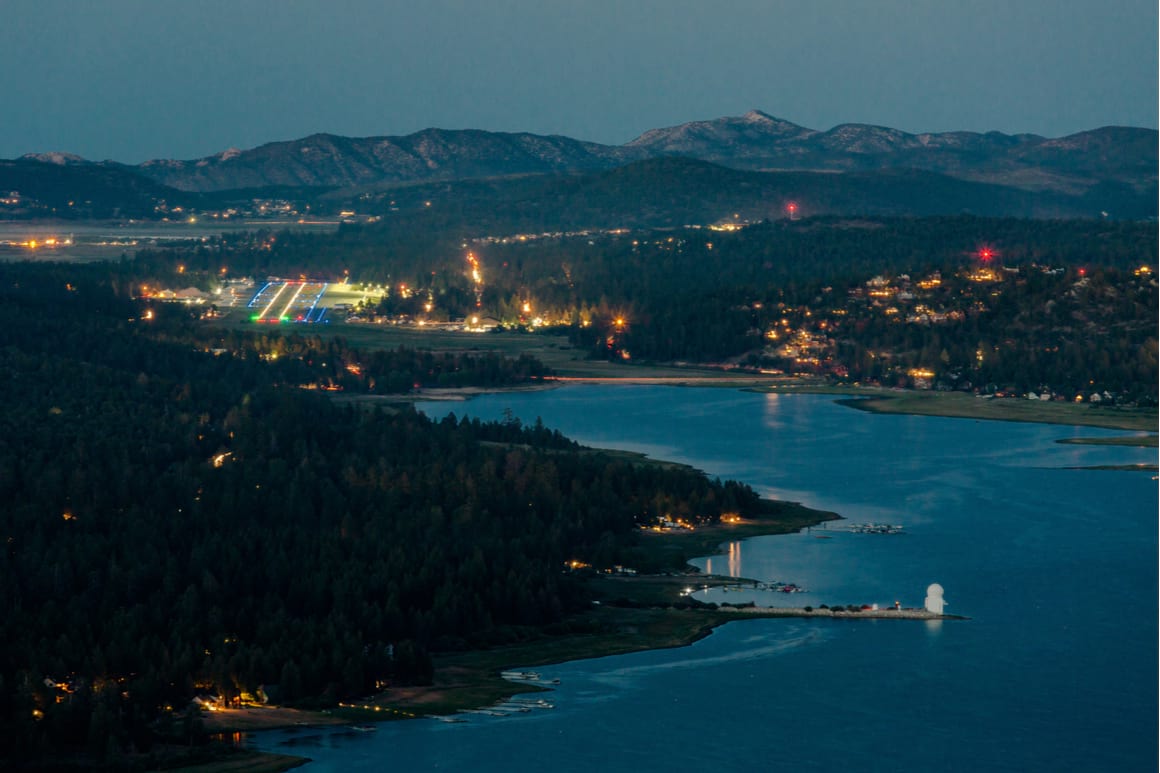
point(1056, 567)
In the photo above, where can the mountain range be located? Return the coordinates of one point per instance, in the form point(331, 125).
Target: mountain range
point(1117, 161)
point(754, 141)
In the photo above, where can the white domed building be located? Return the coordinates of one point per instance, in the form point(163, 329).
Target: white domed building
point(934, 599)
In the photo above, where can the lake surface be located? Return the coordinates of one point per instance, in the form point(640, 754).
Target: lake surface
point(1055, 671)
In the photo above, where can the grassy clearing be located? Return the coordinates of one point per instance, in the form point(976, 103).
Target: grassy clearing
point(971, 407)
point(965, 406)
point(553, 350)
point(340, 293)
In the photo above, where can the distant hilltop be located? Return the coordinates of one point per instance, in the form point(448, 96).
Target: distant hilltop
point(1122, 158)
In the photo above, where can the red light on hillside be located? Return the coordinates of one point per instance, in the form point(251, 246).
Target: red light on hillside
point(791, 207)
point(986, 254)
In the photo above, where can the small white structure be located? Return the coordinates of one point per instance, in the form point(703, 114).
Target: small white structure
point(934, 602)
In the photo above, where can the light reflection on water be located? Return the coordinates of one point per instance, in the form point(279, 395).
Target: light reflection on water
point(1048, 674)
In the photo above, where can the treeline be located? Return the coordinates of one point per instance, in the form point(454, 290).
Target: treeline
point(774, 252)
point(704, 295)
point(176, 524)
point(47, 301)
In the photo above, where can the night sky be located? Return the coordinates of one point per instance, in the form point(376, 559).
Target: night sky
point(137, 79)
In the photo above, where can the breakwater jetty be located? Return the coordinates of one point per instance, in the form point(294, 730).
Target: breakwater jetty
point(857, 614)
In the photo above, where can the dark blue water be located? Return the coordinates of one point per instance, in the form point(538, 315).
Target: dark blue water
point(1056, 670)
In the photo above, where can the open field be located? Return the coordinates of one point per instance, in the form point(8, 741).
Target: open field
point(250, 718)
point(956, 404)
point(966, 406)
point(552, 350)
point(337, 292)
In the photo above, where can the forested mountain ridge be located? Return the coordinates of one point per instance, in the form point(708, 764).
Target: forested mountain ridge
point(1071, 164)
point(326, 159)
point(662, 191)
point(675, 191)
point(1123, 156)
point(33, 188)
point(753, 141)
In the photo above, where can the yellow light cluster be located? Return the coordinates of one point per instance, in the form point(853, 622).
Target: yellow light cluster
point(983, 275)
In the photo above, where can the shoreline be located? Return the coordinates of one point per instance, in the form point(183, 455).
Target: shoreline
point(471, 679)
point(952, 405)
point(630, 614)
point(956, 405)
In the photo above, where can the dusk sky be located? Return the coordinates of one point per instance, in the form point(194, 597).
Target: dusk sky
point(131, 80)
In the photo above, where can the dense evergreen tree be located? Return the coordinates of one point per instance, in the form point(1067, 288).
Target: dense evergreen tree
point(176, 522)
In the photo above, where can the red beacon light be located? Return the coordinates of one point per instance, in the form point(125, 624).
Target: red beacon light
point(986, 254)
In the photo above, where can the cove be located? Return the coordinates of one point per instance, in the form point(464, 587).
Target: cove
point(1055, 566)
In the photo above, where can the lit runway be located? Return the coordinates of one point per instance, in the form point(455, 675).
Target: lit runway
point(284, 301)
